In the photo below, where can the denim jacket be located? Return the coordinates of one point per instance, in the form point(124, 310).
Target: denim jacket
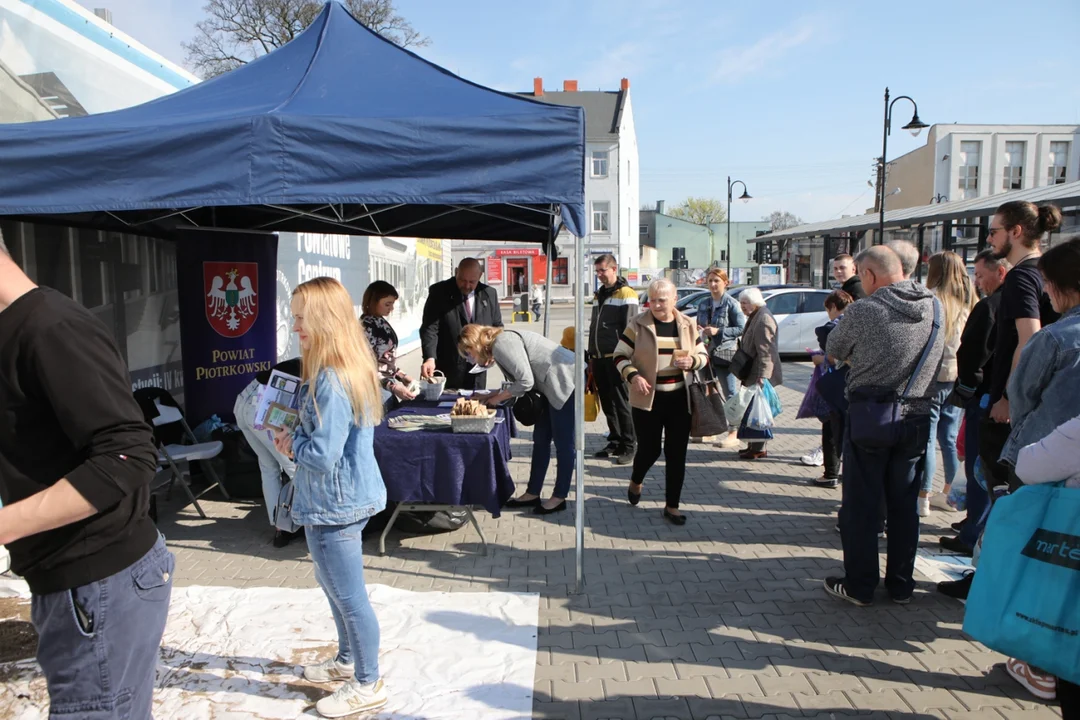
point(1043, 389)
point(337, 479)
point(727, 317)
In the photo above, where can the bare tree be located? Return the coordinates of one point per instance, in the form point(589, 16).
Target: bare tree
point(780, 220)
point(236, 32)
point(700, 211)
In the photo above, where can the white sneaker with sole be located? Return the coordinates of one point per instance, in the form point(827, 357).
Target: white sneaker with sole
point(924, 506)
point(814, 459)
point(328, 671)
point(352, 698)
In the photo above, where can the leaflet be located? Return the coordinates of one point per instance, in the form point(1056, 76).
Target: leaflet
point(282, 395)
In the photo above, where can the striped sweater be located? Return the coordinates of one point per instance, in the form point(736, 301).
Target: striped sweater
point(647, 348)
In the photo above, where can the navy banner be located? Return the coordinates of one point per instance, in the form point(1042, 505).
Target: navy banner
point(226, 286)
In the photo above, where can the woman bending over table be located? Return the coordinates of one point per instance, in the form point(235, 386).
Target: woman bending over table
point(529, 360)
point(338, 485)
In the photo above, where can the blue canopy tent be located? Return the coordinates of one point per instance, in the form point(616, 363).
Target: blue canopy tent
point(339, 131)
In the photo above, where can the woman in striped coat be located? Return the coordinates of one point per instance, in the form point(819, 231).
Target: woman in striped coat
point(655, 353)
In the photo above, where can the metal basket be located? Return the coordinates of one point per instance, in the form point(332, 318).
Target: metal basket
point(432, 389)
point(473, 424)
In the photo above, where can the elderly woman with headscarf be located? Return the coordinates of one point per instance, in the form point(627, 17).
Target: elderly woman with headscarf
point(655, 354)
point(760, 343)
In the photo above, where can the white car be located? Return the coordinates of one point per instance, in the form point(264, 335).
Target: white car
point(799, 311)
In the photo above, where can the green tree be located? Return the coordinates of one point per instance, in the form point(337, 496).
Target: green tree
point(235, 32)
point(700, 211)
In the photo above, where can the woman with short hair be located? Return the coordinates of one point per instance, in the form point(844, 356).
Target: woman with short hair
point(377, 305)
point(654, 356)
point(760, 343)
point(530, 361)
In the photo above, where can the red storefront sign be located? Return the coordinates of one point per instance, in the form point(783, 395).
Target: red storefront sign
point(517, 252)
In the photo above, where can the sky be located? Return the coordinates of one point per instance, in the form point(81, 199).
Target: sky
point(786, 96)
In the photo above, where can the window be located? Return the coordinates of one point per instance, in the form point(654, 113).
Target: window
point(723, 256)
point(784, 304)
point(1014, 166)
point(601, 217)
point(969, 169)
point(1059, 157)
point(749, 256)
point(599, 163)
point(559, 272)
point(643, 229)
point(813, 302)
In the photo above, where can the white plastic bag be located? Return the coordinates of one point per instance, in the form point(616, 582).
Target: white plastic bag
point(735, 406)
point(760, 416)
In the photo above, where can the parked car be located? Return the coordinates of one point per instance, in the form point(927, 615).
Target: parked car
point(682, 292)
point(798, 310)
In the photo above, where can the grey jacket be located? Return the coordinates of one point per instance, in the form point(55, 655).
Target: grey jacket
point(883, 337)
point(760, 341)
point(529, 360)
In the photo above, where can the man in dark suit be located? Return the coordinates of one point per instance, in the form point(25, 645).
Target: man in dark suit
point(450, 306)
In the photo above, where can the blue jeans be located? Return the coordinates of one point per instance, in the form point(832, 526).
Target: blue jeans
point(871, 475)
point(338, 554)
point(944, 428)
point(978, 499)
point(271, 462)
point(98, 644)
point(557, 425)
point(729, 381)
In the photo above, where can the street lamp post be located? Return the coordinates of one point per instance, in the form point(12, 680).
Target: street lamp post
point(745, 197)
point(915, 126)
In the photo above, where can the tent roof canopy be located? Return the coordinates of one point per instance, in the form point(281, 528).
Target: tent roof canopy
point(1064, 195)
point(338, 131)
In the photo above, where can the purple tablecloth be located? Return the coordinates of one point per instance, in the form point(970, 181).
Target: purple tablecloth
point(443, 467)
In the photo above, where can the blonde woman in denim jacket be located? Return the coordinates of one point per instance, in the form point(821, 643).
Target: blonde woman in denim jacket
point(338, 485)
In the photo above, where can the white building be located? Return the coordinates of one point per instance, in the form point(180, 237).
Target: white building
point(612, 192)
point(964, 162)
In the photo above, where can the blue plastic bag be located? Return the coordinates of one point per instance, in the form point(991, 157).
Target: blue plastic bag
point(773, 398)
point(746, 432)
point(1023, 601)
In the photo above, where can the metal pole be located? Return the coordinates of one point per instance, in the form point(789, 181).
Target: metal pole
point(579, 418)
point(729, 228)
point(984, 233)
point(881, 185)
point(825, 257)
point(922, 244)
point(547, 281)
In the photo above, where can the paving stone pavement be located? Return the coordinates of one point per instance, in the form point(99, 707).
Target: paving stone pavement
point(722, 618)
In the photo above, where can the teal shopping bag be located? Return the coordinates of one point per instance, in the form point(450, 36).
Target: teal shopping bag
point(773, 398)
point(1025, 599)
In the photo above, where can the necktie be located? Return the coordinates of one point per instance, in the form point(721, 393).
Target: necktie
point(468, 309)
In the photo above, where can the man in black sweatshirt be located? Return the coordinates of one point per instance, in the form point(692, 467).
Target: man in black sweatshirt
point(76, 460)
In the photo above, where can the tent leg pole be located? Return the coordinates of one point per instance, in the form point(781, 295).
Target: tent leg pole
point(547, 291)
point(579, 415)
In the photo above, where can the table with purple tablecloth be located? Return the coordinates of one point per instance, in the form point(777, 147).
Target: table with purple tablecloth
point(442, 467)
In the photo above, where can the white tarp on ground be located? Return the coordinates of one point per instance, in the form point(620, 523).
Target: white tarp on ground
point(237, 653)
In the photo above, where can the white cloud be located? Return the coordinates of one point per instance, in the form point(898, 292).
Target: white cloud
point(735, 64)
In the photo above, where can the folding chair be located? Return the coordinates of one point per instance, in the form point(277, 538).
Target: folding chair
point(175, 458)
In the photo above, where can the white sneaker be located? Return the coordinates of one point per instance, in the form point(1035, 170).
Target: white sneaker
point(328, 671)
point(814, 459)
point(352, 698)
point(924, 506)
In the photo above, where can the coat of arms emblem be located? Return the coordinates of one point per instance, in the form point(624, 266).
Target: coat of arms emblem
point(232, 303)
